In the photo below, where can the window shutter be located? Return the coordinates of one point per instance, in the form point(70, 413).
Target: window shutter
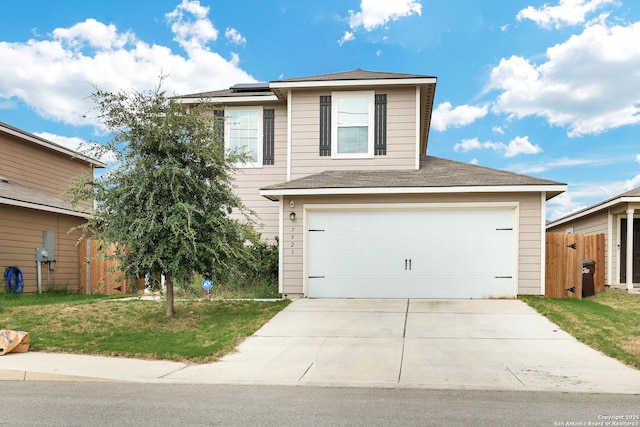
point(325, 125)
point(218, 124)
point(268, 137)
point(380, 125)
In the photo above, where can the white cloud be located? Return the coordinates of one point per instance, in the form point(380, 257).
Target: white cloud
point(565, 162)
point(95, 34)
point(475, 144)
point(518, 145)
point(377, 13)
point(637, 158)
point(76, 144)
point(589, 83)
point(521, 145)
point(54, 76)
point(498, 129)
point(348, 36)
point(190, 25)
point(444, 116)
point(234, 36)
point(582, 195)
point(568, 12)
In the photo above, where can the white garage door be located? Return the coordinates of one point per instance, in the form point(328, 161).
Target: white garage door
point(420, 253)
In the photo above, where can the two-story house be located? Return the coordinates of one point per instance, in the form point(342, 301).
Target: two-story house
point(339, 171)
point(34, 173)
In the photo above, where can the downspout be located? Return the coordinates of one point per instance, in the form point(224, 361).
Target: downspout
point(288, 136)
point(281, 245)
point(418, 128)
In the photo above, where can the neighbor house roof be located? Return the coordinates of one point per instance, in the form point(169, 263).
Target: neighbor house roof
point(22, 196)
point(436, 175)
point(631, 196)
point(11, 130)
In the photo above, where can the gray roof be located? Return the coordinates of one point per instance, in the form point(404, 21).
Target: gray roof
point(357, 74)
point(433, 172)
point(15, 194)
point(226, 93)
point(241, 90)
point(634, 193)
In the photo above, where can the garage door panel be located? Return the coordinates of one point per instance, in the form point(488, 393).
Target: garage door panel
point(454, 253)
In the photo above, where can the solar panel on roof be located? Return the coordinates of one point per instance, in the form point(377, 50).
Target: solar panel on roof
point(250, 87)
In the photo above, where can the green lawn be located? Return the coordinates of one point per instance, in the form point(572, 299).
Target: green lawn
point(608, 321)
point(200, 331)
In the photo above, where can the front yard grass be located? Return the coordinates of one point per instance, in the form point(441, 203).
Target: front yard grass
point(200, 331)
point(608, 321)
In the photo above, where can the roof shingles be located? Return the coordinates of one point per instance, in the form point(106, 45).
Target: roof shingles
point(22, 195)
point(433, 172)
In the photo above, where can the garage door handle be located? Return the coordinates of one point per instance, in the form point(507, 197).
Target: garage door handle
point(407, 262)
point(316, 277)
point(503, 277)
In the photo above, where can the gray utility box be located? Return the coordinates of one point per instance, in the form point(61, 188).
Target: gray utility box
point(42, 255)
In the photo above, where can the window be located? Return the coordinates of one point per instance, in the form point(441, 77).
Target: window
point(243, 133)
point(352, 124)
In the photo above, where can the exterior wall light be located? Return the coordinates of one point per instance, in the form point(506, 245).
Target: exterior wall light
point(292, 216)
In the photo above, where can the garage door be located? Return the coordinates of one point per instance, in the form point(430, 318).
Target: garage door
point(419, 253)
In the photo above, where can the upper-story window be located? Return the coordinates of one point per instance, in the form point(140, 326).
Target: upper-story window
point(352, 117)
point(243, 133)
point(353, 124)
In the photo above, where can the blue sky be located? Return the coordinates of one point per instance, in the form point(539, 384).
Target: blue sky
point(546, 88)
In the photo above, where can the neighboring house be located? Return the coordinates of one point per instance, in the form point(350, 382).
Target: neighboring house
point(622, 241)
point(34, 173)
point(339, 173)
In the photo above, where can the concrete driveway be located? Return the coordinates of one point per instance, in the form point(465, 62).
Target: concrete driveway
point(465, 344)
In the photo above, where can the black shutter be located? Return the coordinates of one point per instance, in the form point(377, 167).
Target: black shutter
point(267, 137)
point(325, 125)
point(218, 123)
point(380, 125)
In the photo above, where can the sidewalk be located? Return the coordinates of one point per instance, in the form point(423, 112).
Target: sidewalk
point(471, 345)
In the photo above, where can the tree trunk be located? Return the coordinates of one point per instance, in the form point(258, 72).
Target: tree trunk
point(168, 283)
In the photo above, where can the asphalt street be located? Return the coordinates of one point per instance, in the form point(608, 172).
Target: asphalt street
point(135, 404)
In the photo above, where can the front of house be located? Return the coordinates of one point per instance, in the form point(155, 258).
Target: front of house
point(338, 171)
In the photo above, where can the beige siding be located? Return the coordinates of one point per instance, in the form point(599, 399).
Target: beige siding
point(248, 181)
point(305, 134)
point(34, 166)
point(21, 230)
point(529, 226)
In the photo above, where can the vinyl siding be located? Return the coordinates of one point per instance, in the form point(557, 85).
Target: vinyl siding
point(529, 226)
point(29, 164)
point(248, 181)
point(305, 125)
point(21, 230)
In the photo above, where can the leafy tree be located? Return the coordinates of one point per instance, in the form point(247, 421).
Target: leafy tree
point(168, 204)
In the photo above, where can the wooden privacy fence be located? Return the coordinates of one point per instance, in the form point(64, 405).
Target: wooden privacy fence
point(96, 276)
point(565, 254)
